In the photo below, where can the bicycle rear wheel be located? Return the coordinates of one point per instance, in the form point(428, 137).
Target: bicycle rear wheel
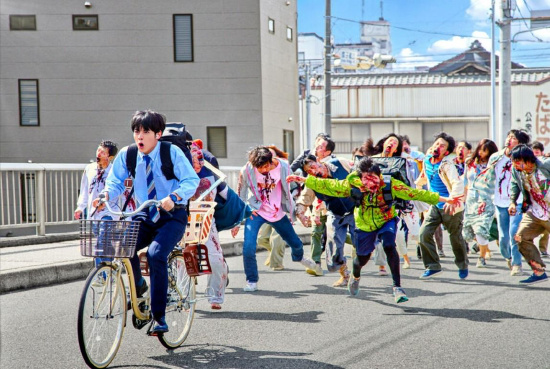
point(180, 307)
point(101, 316)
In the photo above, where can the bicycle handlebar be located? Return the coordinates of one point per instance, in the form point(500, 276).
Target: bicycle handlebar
point(123, 214)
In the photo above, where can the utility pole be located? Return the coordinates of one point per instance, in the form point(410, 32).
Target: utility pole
point(493, 130)
point(328, 66)
point(505, 72)
point(308, 105)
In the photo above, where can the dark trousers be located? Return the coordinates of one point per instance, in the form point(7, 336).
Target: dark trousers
point(161, 237)
point(453, 224)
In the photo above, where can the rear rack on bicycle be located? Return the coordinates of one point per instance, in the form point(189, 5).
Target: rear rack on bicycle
point(197, 232)
point(108, 238)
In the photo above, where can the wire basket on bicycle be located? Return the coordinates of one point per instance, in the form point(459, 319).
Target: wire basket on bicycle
point(108, 238)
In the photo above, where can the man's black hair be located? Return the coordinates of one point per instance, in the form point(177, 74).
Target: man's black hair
point(110, 146)
point(449, 139)
point(405, 138)
point(331, 145)
point(523, 152)
point(366, 165)
point(148, 120)
point(467, 144)
point(538, 145)
point(307, 159)
point(521, 136)
point(259, 156)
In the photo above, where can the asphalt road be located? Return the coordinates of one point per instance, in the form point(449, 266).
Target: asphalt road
point(299, 321)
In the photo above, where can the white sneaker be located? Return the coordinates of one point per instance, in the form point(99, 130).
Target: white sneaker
point(250, 287)
point(406, 265)
point(317, 271)
point(382, 272)
point(516, 270)
point(308, 263)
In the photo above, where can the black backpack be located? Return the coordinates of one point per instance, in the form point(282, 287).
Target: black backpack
point(392, 167)
point(174, 134)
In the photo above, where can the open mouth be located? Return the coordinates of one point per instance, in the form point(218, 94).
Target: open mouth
point(141, 145)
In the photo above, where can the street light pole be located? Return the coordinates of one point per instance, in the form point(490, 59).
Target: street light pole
point(308, 105)
point(493, 133)
point(328, 66)
point(505, 72)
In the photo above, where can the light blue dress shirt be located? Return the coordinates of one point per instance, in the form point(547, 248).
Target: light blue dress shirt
point(185, 186)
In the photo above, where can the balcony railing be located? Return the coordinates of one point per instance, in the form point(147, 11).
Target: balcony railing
point(40, 195)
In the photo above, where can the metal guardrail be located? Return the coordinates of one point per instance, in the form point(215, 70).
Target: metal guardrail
point(39, 195)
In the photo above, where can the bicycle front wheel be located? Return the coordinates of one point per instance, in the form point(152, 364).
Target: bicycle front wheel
point(101, 316)
point(180, 307)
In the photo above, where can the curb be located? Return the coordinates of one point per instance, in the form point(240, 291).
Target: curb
point(78, 270)
point(38, 240)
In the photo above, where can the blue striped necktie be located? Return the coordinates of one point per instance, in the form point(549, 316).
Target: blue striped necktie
point(151, 191)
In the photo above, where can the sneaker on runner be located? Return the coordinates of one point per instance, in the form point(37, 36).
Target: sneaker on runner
point(428, 273)
point(534, 279)
point(516, 270)
point(463, 273)
point(441, 253)
point(406, 265)
point(308, 263)
point(382, 271)
point(481, 263)
point(399, 295)
point(250, 287)
point(353, 286)
point(317, 271)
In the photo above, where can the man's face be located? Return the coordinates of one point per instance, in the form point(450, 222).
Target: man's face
point(316, 169)
point(439, 148)
point(406, 147)
point(462, 152)
point(537, 152)
point(524, 166)
point(321, 148)
point(198, 159)
point(511, 141)
point(264, 169)
point(390, 146)
point(371, 181)
point(146, 140)
point(102, 156)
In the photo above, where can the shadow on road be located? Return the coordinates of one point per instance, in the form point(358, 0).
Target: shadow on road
point(474, 315)
point(221, 356)
point(304, 317)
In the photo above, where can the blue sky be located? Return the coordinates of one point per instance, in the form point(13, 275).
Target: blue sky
point(425, 32)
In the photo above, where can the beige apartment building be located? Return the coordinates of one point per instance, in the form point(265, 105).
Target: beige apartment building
point(73, 72)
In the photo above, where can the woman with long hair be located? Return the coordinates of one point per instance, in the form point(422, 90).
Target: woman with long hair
point(480, 209)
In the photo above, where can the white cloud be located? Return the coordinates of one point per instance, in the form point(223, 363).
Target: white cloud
point(521, 30)
point(408, 60)
point(458, 44)
point(479, 10)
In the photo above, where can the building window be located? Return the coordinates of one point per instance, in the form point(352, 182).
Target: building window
point(217, 141)
point(183, 37)
point(29, 114)
point(85, 22)
point(289, 33)
point(288, 144)
point(23, 22)
point(271, 25)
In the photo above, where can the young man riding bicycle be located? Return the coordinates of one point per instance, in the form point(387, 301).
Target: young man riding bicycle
point(159, 230)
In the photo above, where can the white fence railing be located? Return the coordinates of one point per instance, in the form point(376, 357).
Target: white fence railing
point(39, 195)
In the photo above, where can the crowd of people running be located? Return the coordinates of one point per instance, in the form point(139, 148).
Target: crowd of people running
point(383, 197)
point(477, 195)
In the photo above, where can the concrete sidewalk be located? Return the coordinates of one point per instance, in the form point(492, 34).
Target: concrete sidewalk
point(43, 264)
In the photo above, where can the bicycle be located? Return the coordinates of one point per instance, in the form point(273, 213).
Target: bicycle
point(103, 305)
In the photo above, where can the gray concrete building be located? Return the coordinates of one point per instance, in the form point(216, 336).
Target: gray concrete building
point(74, 72)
